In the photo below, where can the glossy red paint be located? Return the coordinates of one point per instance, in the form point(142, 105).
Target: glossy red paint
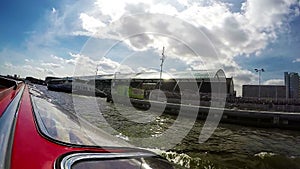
point(30, 149)
point(6, 96)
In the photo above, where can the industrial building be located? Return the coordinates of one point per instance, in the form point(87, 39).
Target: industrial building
point(291, 81)
point(289, 91)
point(271, 92)
point(139, 85)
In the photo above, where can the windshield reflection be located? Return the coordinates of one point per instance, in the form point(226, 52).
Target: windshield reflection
point(63, 126)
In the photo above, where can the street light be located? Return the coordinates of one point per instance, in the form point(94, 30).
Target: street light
point(259, 74)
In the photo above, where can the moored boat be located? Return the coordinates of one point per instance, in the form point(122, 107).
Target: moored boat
point(75, 86)
point(63, 85)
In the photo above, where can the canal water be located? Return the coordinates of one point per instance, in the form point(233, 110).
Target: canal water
point(230, 146)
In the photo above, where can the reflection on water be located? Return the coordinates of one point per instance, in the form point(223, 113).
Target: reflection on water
point(230, 146)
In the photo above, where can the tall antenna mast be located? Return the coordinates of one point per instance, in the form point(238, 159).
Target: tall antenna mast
point(96, 69)
point(161, 65)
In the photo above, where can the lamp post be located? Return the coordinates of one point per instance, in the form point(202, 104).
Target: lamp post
point(259, 74)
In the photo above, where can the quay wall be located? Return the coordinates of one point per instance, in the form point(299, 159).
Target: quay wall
point(265, 119)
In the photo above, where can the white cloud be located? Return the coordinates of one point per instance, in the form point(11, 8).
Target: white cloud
point(231, 33)
point(274, 82)
point(30, 67)
point(91, 24)
point(142, 69)
point(8, 65)
point(27, 70)
point(53, 65)
point(57, 58)
point(248, 31)
point(267, 14)
point(173, 70)
point(37, 68)
point(108, 66)
point(49, 72)
point(296, 60)
point(53, 10)
point(87, 66)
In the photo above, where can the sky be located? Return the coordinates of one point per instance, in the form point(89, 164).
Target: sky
point(71, 38)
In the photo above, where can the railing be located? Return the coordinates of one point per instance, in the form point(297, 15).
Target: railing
point(7, 128)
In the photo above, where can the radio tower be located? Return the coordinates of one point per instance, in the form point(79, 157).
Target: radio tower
point(161, 65)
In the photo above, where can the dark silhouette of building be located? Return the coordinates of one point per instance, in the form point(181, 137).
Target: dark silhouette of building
point(291, 81)
point(35, 80)
point(49, 78)
point(272, 92)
